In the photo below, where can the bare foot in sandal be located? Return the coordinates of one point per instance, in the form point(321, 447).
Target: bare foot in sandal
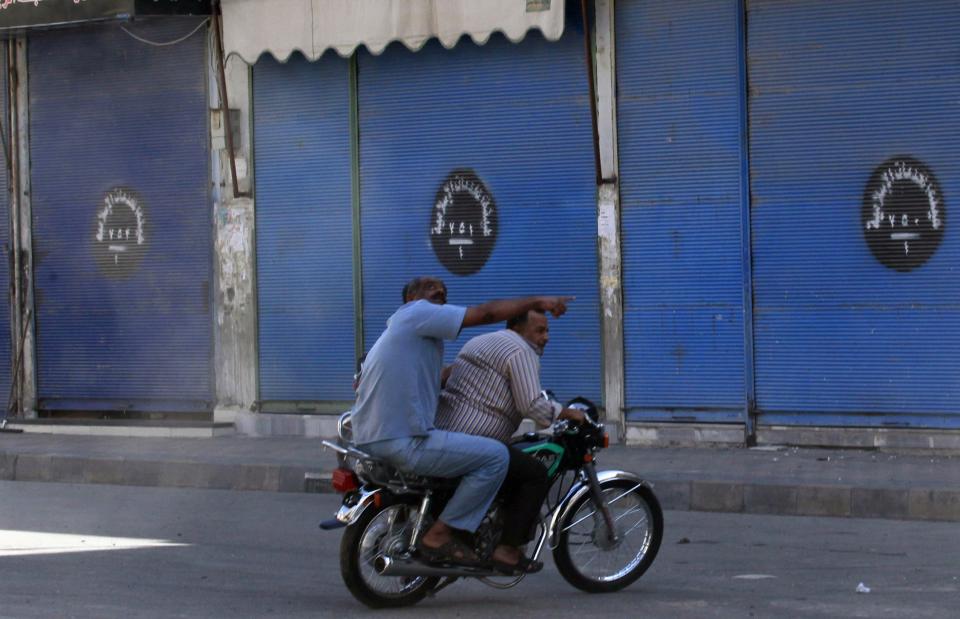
point(440, 545)
point(511, 560)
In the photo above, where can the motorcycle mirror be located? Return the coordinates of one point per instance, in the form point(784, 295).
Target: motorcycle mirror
point(548, 395)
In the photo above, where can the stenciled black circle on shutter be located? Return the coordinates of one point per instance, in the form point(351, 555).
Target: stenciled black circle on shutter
point(463, 223)
point(120, 236)
point(903, 213)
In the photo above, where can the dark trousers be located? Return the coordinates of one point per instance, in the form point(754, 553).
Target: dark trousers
point(523, 492)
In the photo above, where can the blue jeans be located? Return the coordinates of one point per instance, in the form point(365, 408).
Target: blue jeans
point(481, 462)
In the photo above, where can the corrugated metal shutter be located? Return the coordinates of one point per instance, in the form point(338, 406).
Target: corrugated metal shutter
point(680, 149)
point(516, 118)
point(122, 293)
point(6, 351)
point(837, 90)
point(304, 229)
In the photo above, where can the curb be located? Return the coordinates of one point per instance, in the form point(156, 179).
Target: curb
point(930, 504)
point(186, 474)
point(836, 501)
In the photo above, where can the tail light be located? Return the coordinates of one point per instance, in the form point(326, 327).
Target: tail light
point(606, 440)
point(345, 480)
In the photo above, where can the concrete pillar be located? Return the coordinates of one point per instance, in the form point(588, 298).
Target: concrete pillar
point(235, 307)
point(608, 219)
point(24, 313)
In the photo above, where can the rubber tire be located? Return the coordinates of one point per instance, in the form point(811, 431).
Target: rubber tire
point(350, 567)
point(561, 554)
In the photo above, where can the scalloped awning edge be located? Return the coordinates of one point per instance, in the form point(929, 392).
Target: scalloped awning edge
point(280, 27)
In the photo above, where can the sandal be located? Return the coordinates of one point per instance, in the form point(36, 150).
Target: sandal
point(453, 551)
point(523, 566)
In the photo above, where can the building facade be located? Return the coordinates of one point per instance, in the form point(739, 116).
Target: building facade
point(756, 231)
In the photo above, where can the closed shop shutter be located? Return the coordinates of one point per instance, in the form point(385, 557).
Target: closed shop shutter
point(121, 217)
point(500, 136)
point(304, 230)
point(681, 154)
point(855, 170)
point(7, 246)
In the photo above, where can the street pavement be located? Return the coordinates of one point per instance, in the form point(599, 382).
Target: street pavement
point(91, 551)
point(768, 480)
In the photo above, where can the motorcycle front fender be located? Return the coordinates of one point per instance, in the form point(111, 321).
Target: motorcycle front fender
point(348, 514)
point(578, 490)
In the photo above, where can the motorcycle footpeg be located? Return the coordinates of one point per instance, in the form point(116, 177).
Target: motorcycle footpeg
point(332, 523)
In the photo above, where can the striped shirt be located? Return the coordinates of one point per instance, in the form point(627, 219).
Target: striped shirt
point(493, 385)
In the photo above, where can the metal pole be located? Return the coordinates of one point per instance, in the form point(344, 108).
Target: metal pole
point(15, 400)
point(224, 108)
point(355, 208)
point(17, 361)
point(8, 159)
point(588, 55)
point(750, 388)
point(3, 136)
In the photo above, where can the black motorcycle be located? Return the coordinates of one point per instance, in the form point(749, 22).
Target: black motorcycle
point(604, 527)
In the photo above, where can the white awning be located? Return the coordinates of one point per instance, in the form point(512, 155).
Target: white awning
point(252, 27)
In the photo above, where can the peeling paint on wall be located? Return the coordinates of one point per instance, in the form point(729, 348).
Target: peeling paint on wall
point(236, 307)
point(234, 252)
point(607, 230)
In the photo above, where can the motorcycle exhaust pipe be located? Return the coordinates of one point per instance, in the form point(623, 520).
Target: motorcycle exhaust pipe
point(387, 566)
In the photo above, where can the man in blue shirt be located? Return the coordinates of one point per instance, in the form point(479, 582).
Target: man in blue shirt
point(397, 401)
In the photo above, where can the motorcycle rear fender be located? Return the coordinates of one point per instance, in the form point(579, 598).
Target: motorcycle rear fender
point(578, 490)
point(348, 514)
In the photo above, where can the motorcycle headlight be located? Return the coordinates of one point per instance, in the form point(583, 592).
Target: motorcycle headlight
point(588, 408)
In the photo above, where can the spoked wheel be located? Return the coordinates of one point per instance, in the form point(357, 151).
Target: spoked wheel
point(586, 556)
point(381, 531)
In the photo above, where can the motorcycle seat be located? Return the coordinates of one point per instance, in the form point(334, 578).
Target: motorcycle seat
point(380, 472)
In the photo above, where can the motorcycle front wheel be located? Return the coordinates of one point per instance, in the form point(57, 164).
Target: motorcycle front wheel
point(589, 559)
point(384, 530)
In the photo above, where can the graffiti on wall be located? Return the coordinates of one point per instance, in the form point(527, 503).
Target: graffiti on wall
point(121, 232)
point(463, 223)
point(903, 213)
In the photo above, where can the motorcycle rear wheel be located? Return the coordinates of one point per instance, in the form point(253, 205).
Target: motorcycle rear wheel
point(585, 556)
point(380, 530)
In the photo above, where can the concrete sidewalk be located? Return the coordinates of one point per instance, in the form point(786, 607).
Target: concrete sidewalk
point(768, 480)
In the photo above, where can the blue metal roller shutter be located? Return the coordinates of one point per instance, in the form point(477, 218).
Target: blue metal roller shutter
point(680, 149)
point(518, 117)
point(6, 351)
point(837, 89)
point(115, 120)
point(304, 229)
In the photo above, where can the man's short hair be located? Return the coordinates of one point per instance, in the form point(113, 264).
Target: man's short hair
point(521, 319)
point(413, 286)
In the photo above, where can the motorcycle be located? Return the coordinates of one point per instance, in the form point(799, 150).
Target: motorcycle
point(603, 527)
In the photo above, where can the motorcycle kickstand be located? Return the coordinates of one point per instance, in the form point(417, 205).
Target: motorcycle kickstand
point(449, 580)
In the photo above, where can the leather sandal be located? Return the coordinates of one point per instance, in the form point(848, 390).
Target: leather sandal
point(454, 551)
point(524, 565)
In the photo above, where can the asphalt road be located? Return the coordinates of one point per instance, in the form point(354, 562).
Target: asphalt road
point(111, 551)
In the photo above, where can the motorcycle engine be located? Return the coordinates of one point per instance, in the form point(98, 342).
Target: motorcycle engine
point(488, 533)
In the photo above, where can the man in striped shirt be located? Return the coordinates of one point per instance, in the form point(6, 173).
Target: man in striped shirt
point(493, 384)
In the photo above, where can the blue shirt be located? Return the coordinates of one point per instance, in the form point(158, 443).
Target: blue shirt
point(400, 384)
